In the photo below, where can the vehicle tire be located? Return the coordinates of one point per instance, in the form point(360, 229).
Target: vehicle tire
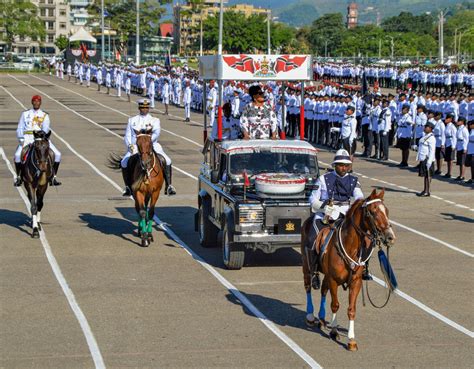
point(233, 254)
point(207, 231)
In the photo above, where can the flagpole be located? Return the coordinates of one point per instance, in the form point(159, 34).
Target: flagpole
point(137, 48)
point(103, 37)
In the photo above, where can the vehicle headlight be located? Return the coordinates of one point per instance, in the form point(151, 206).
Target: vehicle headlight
point(250, 214)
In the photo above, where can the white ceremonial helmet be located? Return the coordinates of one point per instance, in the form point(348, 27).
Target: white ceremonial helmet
point(342, 157)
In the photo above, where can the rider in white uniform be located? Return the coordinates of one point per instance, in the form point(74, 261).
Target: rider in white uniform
point(32, 120)
point(144, 121)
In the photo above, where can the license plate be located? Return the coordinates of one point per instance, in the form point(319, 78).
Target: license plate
point(287, 225)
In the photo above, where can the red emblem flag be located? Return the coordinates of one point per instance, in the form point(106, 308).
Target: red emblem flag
point(242, 63)
point(246, 179)
point(284, 63)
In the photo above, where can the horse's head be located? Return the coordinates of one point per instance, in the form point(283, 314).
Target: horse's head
point(145, 147)
point(376, 217)
point(41, 149)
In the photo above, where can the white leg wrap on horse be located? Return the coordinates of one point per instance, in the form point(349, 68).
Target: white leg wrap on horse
point(35, 221)
point(38, 216)
point(351, 334)
point(334, 320)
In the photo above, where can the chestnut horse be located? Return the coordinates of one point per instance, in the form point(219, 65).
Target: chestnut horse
point(147, 177)
point(365, 225)
point(36, 172)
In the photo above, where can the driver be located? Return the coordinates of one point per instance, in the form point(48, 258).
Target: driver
point(32, 120)
point(332, 199)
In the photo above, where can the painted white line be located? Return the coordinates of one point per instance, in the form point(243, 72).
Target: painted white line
point(427, 309)
point(81, 318)
point(452, 247)
point(462, 206)
point(232, 289)
point(89, 120)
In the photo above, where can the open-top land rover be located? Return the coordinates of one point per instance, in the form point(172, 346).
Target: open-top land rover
point(254, 195)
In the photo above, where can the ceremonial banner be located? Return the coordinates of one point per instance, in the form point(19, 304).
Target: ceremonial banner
point(256, 67)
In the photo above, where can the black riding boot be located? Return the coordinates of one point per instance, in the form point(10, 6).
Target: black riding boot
point(169, 190)
point(365, 274)
point(18, 182)
point(54, 181)
point(126, 179)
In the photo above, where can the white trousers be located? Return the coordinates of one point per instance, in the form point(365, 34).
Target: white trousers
point(156, 147)
point(119, 90)
point(187, 110)
point(152, 100)
point(57, 153)
point(212, 117)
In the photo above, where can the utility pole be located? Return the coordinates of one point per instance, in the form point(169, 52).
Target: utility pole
point(109, 53)
point(441, 36)
point(380, 48)
point(103, 37)
point(200, 38)
point(326, 49)
point(137, 46)
point(269, 47)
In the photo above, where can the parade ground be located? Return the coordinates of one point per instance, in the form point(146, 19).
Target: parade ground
point(87, 295)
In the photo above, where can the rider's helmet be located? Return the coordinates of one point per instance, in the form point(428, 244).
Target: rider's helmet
point(342, 157)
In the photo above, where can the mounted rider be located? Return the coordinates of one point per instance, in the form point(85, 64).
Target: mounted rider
point(144, 122)
point(331, 201)
point(30, 121)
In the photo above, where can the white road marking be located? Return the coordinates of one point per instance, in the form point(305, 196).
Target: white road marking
point(71, 299)
point(231, 288)
point(427, 309)
point(446, 244)
point(251, 307)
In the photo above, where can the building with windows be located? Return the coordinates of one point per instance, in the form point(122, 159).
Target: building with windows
point(78, 15)
point(188, 19)
point(55, 15)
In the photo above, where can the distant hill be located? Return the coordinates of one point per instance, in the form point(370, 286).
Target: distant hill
point(303, 12)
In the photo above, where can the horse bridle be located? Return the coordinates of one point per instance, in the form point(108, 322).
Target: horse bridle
point(144, 165)
point(34, 161)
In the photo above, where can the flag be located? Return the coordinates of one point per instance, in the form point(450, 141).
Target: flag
point(246, 179)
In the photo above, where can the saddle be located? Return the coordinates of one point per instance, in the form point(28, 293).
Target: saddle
point(25, 153)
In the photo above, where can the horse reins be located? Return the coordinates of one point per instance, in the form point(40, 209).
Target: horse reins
point(144, 168)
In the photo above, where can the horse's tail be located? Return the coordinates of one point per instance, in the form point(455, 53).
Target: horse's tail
point(114, 161)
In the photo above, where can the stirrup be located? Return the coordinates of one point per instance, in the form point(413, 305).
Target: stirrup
point(127, 192)
point(18, 182)
point(170, 190)
point(366, 275)
point(54, 182)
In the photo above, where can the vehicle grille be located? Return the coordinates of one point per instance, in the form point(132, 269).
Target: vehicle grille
point(250, 214)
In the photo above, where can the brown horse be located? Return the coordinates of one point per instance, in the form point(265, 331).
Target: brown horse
point(36, 173)
point(146, 178)
point(342, 263)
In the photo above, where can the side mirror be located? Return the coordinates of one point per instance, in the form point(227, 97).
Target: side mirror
point(214, 176)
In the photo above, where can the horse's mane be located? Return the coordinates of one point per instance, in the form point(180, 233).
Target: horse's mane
point(354, 207)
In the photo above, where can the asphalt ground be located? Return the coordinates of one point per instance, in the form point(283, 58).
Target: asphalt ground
point(86, 295)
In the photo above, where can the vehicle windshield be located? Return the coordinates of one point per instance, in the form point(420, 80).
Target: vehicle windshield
point(273, 162)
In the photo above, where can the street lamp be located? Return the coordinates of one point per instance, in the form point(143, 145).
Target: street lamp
point(392, 46)
point(269, 47)
point(137, 40)
point(103, 37)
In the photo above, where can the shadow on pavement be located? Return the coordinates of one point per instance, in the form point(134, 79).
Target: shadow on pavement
point(452, 216)
point(115, 226)
point(16, 220)
point(181, 221)
point(284, 314)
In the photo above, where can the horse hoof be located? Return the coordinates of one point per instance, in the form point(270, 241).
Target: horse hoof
point(39, 226)
point(310, 322)
point(321, 324)
point(352, 346)
point(35, 233)
point(334, 335)
point(151, 239)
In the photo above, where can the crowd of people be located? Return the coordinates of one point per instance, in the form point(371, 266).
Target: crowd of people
point(336, 114)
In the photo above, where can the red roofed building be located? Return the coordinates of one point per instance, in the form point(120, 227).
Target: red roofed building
point(166, 29)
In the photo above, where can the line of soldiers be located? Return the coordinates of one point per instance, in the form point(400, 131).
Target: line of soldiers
point(424, 79)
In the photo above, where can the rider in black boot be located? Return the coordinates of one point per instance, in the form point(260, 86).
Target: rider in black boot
point(18, 181)
point(126, 179)
point(170, 190)
point(365, 274)
point(54, 181)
